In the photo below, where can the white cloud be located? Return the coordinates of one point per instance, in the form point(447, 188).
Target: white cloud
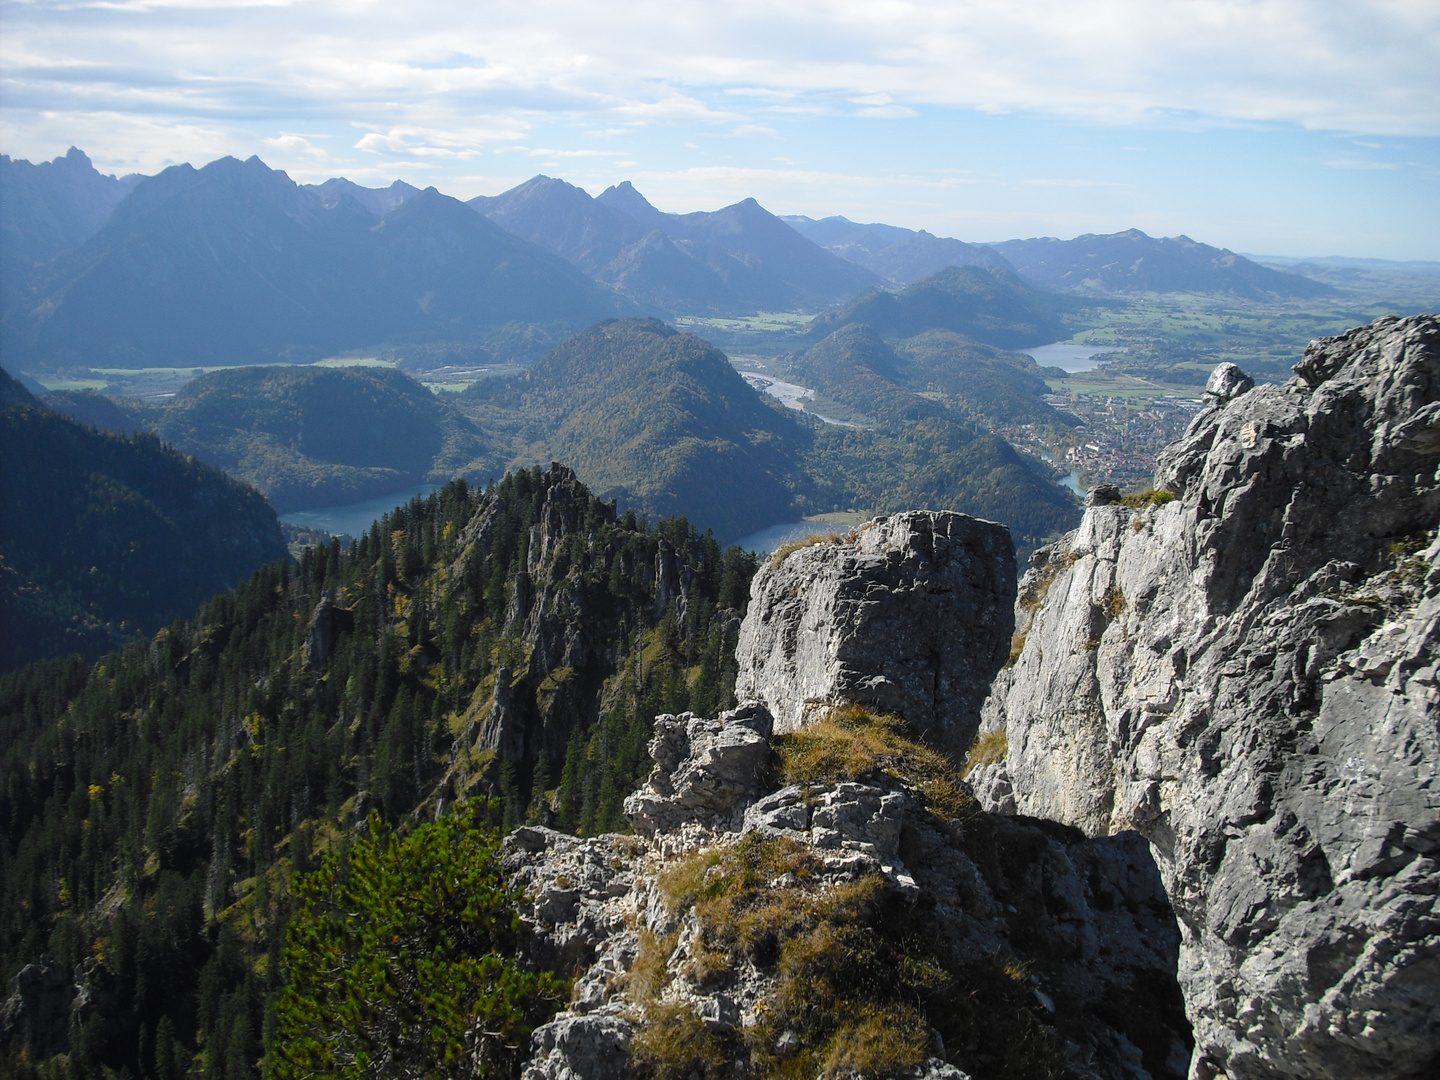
point(754, 131)
point(430, 89)
point(1353, 163)
point(296, 144)
point(1329, 64)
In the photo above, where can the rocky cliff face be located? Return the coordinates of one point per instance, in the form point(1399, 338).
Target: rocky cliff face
point(1246, 674)
point(912, 617)
point(819, 896)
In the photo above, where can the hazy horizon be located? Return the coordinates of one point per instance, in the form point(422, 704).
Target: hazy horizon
point(1286, 127)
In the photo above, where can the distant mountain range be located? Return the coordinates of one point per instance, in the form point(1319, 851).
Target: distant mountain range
point(898, 256)
point(738, 259)
point(104, 539)
point(1124, 262)
point(989, 305)
point(235, 263)
point(1130, 262)
point(51, 208)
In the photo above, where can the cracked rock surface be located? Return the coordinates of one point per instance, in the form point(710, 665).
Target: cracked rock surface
point(1247, 676)
point(911, 617)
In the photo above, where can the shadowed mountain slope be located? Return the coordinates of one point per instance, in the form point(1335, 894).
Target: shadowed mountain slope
point(740, 258)
point(564, 220)
point(50, 208)
point(765, 263)
point(104, 539)
point(235, 263)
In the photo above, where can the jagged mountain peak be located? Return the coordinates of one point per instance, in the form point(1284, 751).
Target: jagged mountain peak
point(625, 198)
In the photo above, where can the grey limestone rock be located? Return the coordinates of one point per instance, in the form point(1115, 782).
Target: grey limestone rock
point(1090, 915)
point(913, 617)
point(706, 771)
point(590, 1046)
point(1248, 676)
point(1102, 495)
point(1226, 381)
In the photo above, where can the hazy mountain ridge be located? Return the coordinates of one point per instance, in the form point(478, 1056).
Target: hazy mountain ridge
point(103, 538)
point(235, 263)
point(991, 306)
point(1130, 261)
point(1123, 262)
point(738, 258)
point(901, 256)
point(51, 207)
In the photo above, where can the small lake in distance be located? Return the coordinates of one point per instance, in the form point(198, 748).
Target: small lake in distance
point(767, 540)
point(356, 518)
point(1067, 355)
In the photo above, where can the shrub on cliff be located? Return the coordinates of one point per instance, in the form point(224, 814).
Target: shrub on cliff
point(402, 962)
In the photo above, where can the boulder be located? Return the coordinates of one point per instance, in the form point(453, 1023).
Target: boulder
point(913, 616)
point(706, 771)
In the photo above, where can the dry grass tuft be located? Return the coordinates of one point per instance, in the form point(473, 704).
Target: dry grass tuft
point(785, 550)
point(1017, 646)
point(1114, 602)
point(848, 976)
point(1148, 497)
point(852, 743)
point(987, 749)
point(674, 1044)
point(650, 974)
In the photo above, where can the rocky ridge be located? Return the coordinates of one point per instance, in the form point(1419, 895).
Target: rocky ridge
point(1242, 667)
point(1057, 951)
point(1221, 698)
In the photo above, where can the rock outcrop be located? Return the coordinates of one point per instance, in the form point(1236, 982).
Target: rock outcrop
point(1246, 674)
point(912, 616)
point(707, 772)
point(1076, 930)
point(1057, 951)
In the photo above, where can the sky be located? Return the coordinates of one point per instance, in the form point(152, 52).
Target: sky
point(1284, 127)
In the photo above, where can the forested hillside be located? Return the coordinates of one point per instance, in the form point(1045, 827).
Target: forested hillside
point(923, 432)
point(154, 809)
point(657, 419)
point(661, 421)
point(316, 436)
point(103, 538)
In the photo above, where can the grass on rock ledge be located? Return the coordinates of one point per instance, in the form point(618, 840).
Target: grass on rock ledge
point(853, 743)
point(862, 980)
